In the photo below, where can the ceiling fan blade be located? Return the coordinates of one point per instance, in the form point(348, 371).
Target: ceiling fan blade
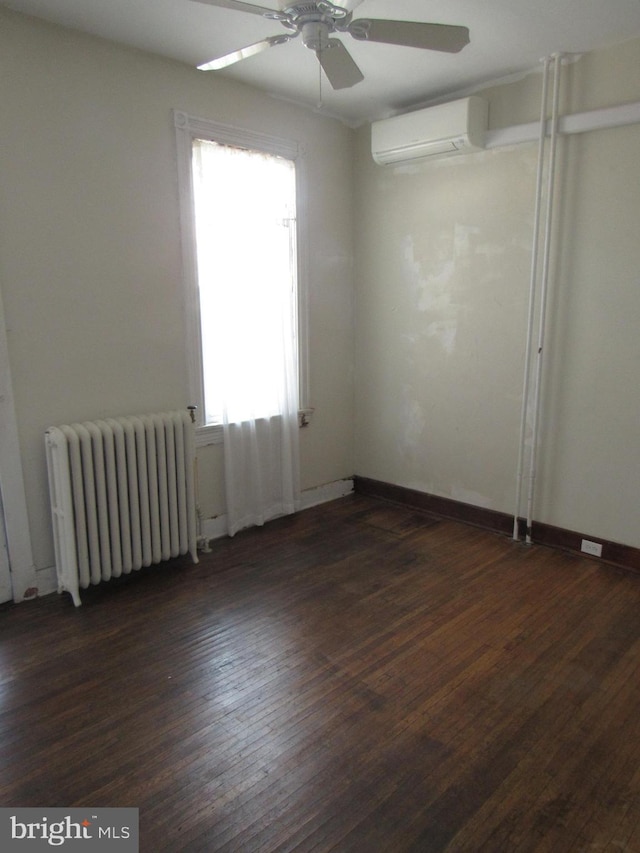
point(337, 64)
point(243, 53)
point(245, 7)
point(444, 37)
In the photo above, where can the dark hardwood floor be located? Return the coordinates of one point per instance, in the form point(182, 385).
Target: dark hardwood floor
point(360, 678)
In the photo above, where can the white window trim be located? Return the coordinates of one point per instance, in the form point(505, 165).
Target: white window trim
point(187, 129)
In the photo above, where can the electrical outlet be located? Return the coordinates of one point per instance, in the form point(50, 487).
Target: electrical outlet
point(593, 548)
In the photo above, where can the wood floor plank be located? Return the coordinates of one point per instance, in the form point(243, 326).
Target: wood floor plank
point(359, 677)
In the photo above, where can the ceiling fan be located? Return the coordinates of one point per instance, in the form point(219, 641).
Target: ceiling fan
point(317, 21)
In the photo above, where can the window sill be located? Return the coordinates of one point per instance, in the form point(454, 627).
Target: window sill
point(214, 433)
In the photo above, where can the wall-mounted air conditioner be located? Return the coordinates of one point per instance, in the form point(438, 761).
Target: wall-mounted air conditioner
point(453, 128)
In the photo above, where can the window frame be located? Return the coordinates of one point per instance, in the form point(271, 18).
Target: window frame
point(187, 129)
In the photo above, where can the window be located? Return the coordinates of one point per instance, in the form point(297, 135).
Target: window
point(241, 252)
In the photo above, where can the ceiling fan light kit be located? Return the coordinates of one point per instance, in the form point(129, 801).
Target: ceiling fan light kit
point(317, 21)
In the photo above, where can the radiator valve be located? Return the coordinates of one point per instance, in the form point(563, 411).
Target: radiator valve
point(203, 544)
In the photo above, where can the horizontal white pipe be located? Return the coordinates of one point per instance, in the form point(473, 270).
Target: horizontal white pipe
point(606, 117)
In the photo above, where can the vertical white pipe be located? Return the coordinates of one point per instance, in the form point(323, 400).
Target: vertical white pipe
point(543, 291)
point(532, 293)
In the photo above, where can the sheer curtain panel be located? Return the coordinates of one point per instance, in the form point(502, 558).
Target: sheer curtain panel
point(246, 240)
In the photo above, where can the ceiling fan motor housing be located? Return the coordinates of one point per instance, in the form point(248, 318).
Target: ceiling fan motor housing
point(315, 35)
point(315, 22)
point(301, 10)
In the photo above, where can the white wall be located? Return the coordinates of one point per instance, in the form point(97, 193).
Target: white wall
point(443, 258)
point(90, 273)
point(90, 244)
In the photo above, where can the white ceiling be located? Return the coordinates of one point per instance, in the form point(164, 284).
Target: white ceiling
point(507, 37)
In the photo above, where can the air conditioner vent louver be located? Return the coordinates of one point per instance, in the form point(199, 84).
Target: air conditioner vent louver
point(453, 128)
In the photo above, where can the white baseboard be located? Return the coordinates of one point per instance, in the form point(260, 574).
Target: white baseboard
point(46, 581)
point(326, 493)
point(216, 528)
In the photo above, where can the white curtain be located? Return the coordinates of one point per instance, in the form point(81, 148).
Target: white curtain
point(245, 226)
